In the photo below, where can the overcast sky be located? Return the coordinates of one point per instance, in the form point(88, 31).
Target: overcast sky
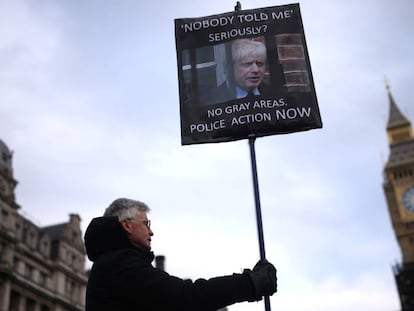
point(89, 105)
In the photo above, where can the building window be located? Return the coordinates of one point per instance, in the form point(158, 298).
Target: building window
point(18, 231)
point(403, 174)
point(44, 308)
point(44, 247)
point(3, 217)
point(69, 288)
point(16, 262)
point(42, 278)
point(73, 260)
point(400, 137)
point(31, 241)
point(14, 301)
point(28, 271)
point(2, 251)
point(30, 305)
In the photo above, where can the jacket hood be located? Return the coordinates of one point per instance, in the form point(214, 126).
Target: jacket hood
point(103, 235)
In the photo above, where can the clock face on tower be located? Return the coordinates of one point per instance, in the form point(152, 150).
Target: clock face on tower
point(408, 199)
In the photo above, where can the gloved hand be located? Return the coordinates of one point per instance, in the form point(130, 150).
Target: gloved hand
point(263, 278)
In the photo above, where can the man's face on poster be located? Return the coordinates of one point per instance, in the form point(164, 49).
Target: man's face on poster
point(249, 72)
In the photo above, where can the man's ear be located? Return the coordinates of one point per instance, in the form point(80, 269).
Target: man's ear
point(126, 225)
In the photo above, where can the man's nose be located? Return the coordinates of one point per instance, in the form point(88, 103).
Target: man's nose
point(254, 67)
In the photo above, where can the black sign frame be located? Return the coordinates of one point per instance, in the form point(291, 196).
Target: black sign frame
point(204, 61)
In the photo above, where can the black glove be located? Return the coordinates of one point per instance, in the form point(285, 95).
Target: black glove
point(263, 278)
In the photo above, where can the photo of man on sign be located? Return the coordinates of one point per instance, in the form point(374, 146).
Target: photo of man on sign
point(244, 75)
point(249, 61)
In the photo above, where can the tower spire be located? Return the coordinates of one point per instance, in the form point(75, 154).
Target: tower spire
point(395, 118)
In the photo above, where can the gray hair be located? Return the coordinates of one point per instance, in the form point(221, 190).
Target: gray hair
point(246, 47)
point(126, 208)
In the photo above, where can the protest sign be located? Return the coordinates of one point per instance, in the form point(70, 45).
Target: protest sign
point(244, 73)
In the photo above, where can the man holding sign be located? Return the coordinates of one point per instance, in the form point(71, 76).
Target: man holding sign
point(123, 279)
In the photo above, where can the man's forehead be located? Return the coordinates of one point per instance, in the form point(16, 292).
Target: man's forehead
point(252, 58)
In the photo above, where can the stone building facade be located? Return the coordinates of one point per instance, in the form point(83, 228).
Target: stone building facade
point(41, 268)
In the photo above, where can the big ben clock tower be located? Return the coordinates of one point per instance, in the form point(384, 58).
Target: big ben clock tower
point(399, 192)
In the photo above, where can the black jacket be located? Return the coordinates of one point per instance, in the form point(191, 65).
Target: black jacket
point(122, 278)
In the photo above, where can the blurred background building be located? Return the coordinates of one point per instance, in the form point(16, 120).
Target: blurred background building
point(41, 268)
point(399, 192)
